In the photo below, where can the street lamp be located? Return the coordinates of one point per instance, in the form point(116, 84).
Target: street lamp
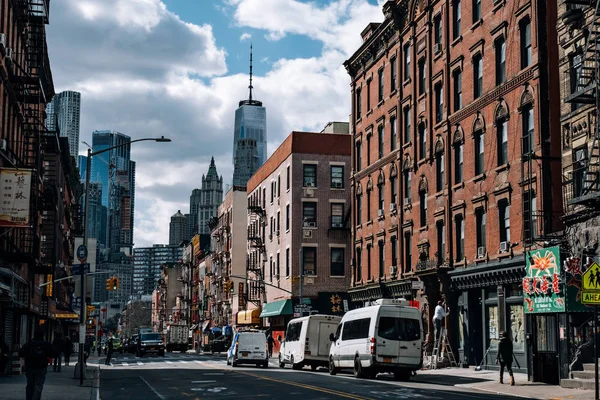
point(90, 154)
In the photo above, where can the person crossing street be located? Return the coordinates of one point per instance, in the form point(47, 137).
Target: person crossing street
point(505, 357)
point(109, 349)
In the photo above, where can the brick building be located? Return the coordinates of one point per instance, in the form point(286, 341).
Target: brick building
point(453, 169)
point(298, 220)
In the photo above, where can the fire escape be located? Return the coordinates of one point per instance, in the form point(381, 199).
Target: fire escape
point(256, 260)
point(583, 181)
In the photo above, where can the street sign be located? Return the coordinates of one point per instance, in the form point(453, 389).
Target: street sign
point(345, 302)
point(82, 253)
point(417, 285)
point(76, 302)
point(76, 269)
point(590, 282)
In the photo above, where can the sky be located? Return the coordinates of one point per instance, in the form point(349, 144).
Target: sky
point(178, 68)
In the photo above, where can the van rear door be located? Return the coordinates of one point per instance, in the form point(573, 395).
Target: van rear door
point(399, 336)
point(410, 336)
point(325, 328)
point(387, 338)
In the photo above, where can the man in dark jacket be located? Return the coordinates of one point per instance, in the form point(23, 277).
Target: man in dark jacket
point(109, 351)
point(505, 357)
point(59, 344)
point(36, 353)
point(68, 349)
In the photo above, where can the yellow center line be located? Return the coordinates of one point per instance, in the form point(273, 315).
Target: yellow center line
point(301, 385)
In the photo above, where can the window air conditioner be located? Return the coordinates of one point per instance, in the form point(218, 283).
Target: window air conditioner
point(393, 270)
point(481, 251)
point(380, 213)
point(337, 225)
point(437, 48)
point(9, 55)
point(309, 193)
point(337, 185)
point(393, 207)
point(2, 41)
point(406, 201)
point(503, 247)
point(3, 145)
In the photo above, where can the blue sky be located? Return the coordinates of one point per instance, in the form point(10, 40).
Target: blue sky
point(179, 67)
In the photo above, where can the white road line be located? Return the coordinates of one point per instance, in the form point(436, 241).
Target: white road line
point(198, 361)
point(183, 361)
point(140, 363)
point(204, 381)
point(169, 362)
point(161, 397)
point(125, 364)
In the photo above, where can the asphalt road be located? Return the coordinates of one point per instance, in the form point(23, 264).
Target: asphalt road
point(204, 377)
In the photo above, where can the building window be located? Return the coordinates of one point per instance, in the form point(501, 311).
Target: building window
point(439, 171)
point(422, 77)
point(457, 89)
point(394, 191)
point(278, 222)
point(423, 207)
point(407, 252)
point(476, 10)
point(369, 205)
point(528, 129)
point(579, 170)
point(358, 165)
point(422, 141)
point(369, 95)
point(504, 215)
point(381, 258)
point(380, 140)
point(456, 17)
point(278, 185)
point(273, 189)
point(271, 266)
point(525, 36)
point(381, 199)
point(369, 275)
point(264, 197)
point(380, 80)
point(358, 273)
point(439, 102)
point(477, 76)
point(393, 134)
point(441, 241)
point(437, 26)
point(480, 221)
point(309, 213)
point(458, 163)
point(358, 209)
point(358, 103)
point(337, 176)
point(500, 45)
point(309, 260)
point(407, 179)
point(368, 150)
point(393, 73)
point(278, 268)
point(287, 262)
point(406, 61)
point(530, 228)
point(479, 152)
point(394, 245)
point(310, 175)
point(337, 261)
point(287, 217)
point(502, 141)
point(337, 215)
point(406, 125)
point(575, 70)
point(287, 178)
point(460, 237)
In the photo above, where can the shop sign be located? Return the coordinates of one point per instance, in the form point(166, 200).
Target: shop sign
point(15, 189)
point(542, 289)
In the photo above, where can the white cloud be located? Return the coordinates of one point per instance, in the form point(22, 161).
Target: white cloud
point(144, 71)
point(245, 36)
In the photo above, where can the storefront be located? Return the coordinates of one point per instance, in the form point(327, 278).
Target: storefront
point(487, 300)
point(248, 318)
point(278, 314)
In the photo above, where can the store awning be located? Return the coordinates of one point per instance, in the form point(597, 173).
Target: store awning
point(249, 317)
point(276, 308)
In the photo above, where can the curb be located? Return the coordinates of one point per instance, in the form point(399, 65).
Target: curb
point(96, 385)
point(495, 392)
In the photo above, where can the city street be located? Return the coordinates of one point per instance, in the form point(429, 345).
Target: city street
point(181, 376)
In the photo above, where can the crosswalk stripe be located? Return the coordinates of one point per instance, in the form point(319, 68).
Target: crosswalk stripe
point(183, 362)
point(169, 362)
point(140, 363)
point(198, 361)
point(125, 364)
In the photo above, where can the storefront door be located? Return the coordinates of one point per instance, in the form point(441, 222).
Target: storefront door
point(474, 343)
point(545, 349)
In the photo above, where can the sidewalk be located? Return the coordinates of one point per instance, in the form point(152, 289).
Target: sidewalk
point(58, 386)
point(487, 381)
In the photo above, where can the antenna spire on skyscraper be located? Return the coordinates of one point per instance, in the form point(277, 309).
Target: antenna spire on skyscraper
point(250, 87)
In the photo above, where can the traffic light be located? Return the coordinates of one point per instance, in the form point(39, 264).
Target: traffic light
point(109, 284)
point(115, 284)
point(231, 287)
point(225, 286)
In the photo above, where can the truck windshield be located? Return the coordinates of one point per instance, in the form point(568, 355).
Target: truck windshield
point(151, 336)
point(399, 329)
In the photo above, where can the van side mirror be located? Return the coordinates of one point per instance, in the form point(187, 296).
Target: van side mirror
point(331, 337)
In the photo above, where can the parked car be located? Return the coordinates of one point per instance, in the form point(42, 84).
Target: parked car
point(117, 345)
point(132, 348)
point(307, 341)
point(150, 343)
point(385, 337)
point(248, 347)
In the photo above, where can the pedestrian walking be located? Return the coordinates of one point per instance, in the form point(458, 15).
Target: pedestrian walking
point(59, 344)
point(109, 347)
point(505, 357)
point(36, 353)
point(270, 343)
point(438, 315)
point(68, 349)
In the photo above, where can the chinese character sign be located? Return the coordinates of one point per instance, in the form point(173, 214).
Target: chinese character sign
point(15, 189)
point(542, 285)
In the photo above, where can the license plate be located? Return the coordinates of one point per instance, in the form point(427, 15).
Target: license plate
point(387, 359)
point(244, 354)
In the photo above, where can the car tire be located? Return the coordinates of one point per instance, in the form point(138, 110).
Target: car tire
point(359, 372)
point(266, 365)
point(281, 363)
point(295, 367)
point(234, 363)
point(332, 369)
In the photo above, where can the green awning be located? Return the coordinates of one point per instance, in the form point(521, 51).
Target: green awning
point(280, 307)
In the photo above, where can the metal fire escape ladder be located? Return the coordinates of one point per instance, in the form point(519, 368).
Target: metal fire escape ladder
point(257, 253)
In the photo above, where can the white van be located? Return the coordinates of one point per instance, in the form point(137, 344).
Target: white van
point(307, 341)
point(249, 347)
point(385, 337)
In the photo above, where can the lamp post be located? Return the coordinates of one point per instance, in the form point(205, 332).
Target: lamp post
point(90, 154)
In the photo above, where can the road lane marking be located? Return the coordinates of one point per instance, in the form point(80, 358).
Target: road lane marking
point(169, 362)
point(140, 363)
point(160, 396)
point(183, 361)
point(125, 364)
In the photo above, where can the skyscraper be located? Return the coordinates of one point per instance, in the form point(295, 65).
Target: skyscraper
point(195, 200)
point(147, 266)
point(82, 164)
point(250, 123)
point(246, 162)
point(211, 194)
point(177, 228)
point(116, 172)
point(63, 114)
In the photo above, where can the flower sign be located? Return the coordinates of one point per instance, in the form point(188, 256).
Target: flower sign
point(542, 289)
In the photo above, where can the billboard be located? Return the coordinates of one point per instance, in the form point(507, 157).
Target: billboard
point(15, 191)
point(542, 288)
